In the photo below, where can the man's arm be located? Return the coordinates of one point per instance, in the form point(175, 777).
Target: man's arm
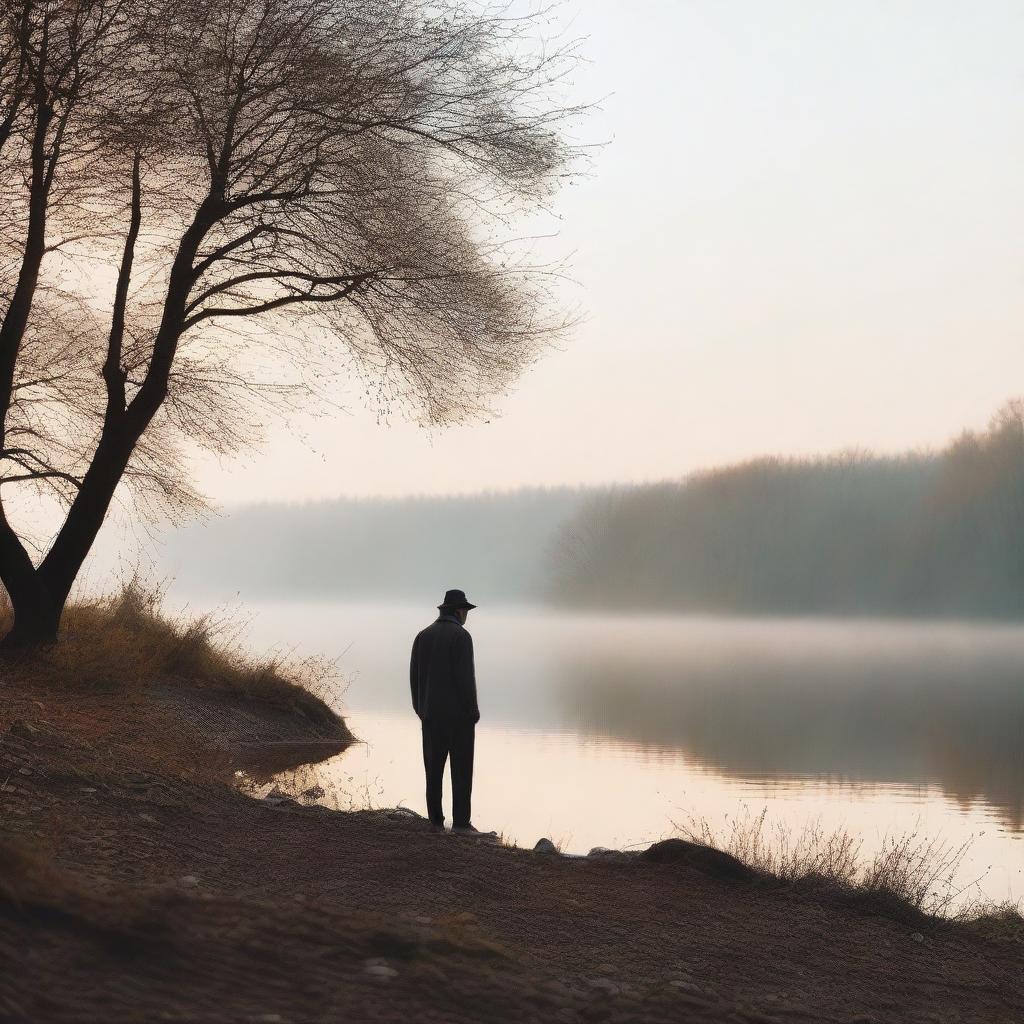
point(413, 677)
point(465, 675)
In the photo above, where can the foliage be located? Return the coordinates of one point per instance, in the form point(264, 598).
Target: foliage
point(214, 208)
point(918, 534)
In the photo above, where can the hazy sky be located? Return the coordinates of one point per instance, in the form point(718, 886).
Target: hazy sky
point(805, 234)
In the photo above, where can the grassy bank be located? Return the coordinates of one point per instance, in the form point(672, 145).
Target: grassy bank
point(128, 640)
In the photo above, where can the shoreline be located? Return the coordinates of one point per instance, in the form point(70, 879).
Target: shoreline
point(128, 853)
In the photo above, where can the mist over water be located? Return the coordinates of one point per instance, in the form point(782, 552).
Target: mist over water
point(500, 546)
point(606, 729)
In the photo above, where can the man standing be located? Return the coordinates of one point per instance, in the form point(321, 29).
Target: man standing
point(443, 682)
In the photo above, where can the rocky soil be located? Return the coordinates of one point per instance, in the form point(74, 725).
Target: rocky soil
point(137, 884)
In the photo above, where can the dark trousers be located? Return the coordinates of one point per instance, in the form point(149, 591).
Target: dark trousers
point(441, 740)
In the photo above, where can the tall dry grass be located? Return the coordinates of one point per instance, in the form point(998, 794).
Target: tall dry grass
point(908, 873)
point(127, 639)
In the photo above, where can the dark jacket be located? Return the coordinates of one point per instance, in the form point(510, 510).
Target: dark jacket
point(441, 673)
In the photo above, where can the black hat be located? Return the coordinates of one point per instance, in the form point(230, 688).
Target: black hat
point(454, 599)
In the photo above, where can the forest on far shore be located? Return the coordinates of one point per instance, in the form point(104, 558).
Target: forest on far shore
point(918, 534)
point(929, 534)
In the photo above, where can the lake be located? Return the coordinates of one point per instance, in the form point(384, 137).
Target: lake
point(617, 731)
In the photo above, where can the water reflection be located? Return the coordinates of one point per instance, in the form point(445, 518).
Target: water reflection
point(604, 731)
point(870, 701)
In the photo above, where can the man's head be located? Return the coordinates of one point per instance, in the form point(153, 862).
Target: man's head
point(455, 603)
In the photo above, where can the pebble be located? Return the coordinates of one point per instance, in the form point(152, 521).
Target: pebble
point(917, 937)
point(24, 771)
point(604, 985)
point(404, 814)
point(381, 971)
point(147, 817)
point(603, 851)
point(188, 881)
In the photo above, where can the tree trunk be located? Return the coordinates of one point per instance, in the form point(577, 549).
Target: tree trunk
point(36, 610)
point(38, 595)
point(36, 620)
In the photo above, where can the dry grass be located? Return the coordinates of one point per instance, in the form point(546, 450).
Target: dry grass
point(1000, 921)
point(909, 873)
point(126, 641)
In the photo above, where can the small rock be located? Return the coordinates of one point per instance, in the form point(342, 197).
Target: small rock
point(188, 881)
point(917, 936)
point(604, 985)
point(88, 789)
point(314, 793)
point(382, 971)
point(545, 846)
point(23, 730)
point(602, 851)
point(606, 969)
point(277, 798)
point(404, 814)
point(24, 771)
point(148, 817)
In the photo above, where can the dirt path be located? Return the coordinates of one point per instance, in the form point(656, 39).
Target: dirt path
point(157, 892)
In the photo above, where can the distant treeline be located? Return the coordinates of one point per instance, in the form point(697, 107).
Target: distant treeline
point(920, 534)
point(930, 534)
point(496, 547)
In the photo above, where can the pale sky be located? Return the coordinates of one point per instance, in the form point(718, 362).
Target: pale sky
point(805, 234)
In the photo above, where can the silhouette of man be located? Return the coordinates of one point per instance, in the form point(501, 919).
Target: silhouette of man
point(443, 680)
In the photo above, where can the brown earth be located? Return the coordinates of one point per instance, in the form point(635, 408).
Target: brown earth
point(136, 884)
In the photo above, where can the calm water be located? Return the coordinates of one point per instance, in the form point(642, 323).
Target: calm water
point(612, 731)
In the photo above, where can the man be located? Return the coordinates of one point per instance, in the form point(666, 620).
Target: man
point(443, 681)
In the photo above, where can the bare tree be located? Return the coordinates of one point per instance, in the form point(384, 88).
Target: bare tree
point(320, 182)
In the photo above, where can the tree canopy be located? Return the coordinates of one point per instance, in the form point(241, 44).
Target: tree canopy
point(212, 205)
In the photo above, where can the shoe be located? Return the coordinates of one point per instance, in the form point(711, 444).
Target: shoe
point(469, 830)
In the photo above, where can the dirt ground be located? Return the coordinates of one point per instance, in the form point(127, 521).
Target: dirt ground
point(136, 884)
